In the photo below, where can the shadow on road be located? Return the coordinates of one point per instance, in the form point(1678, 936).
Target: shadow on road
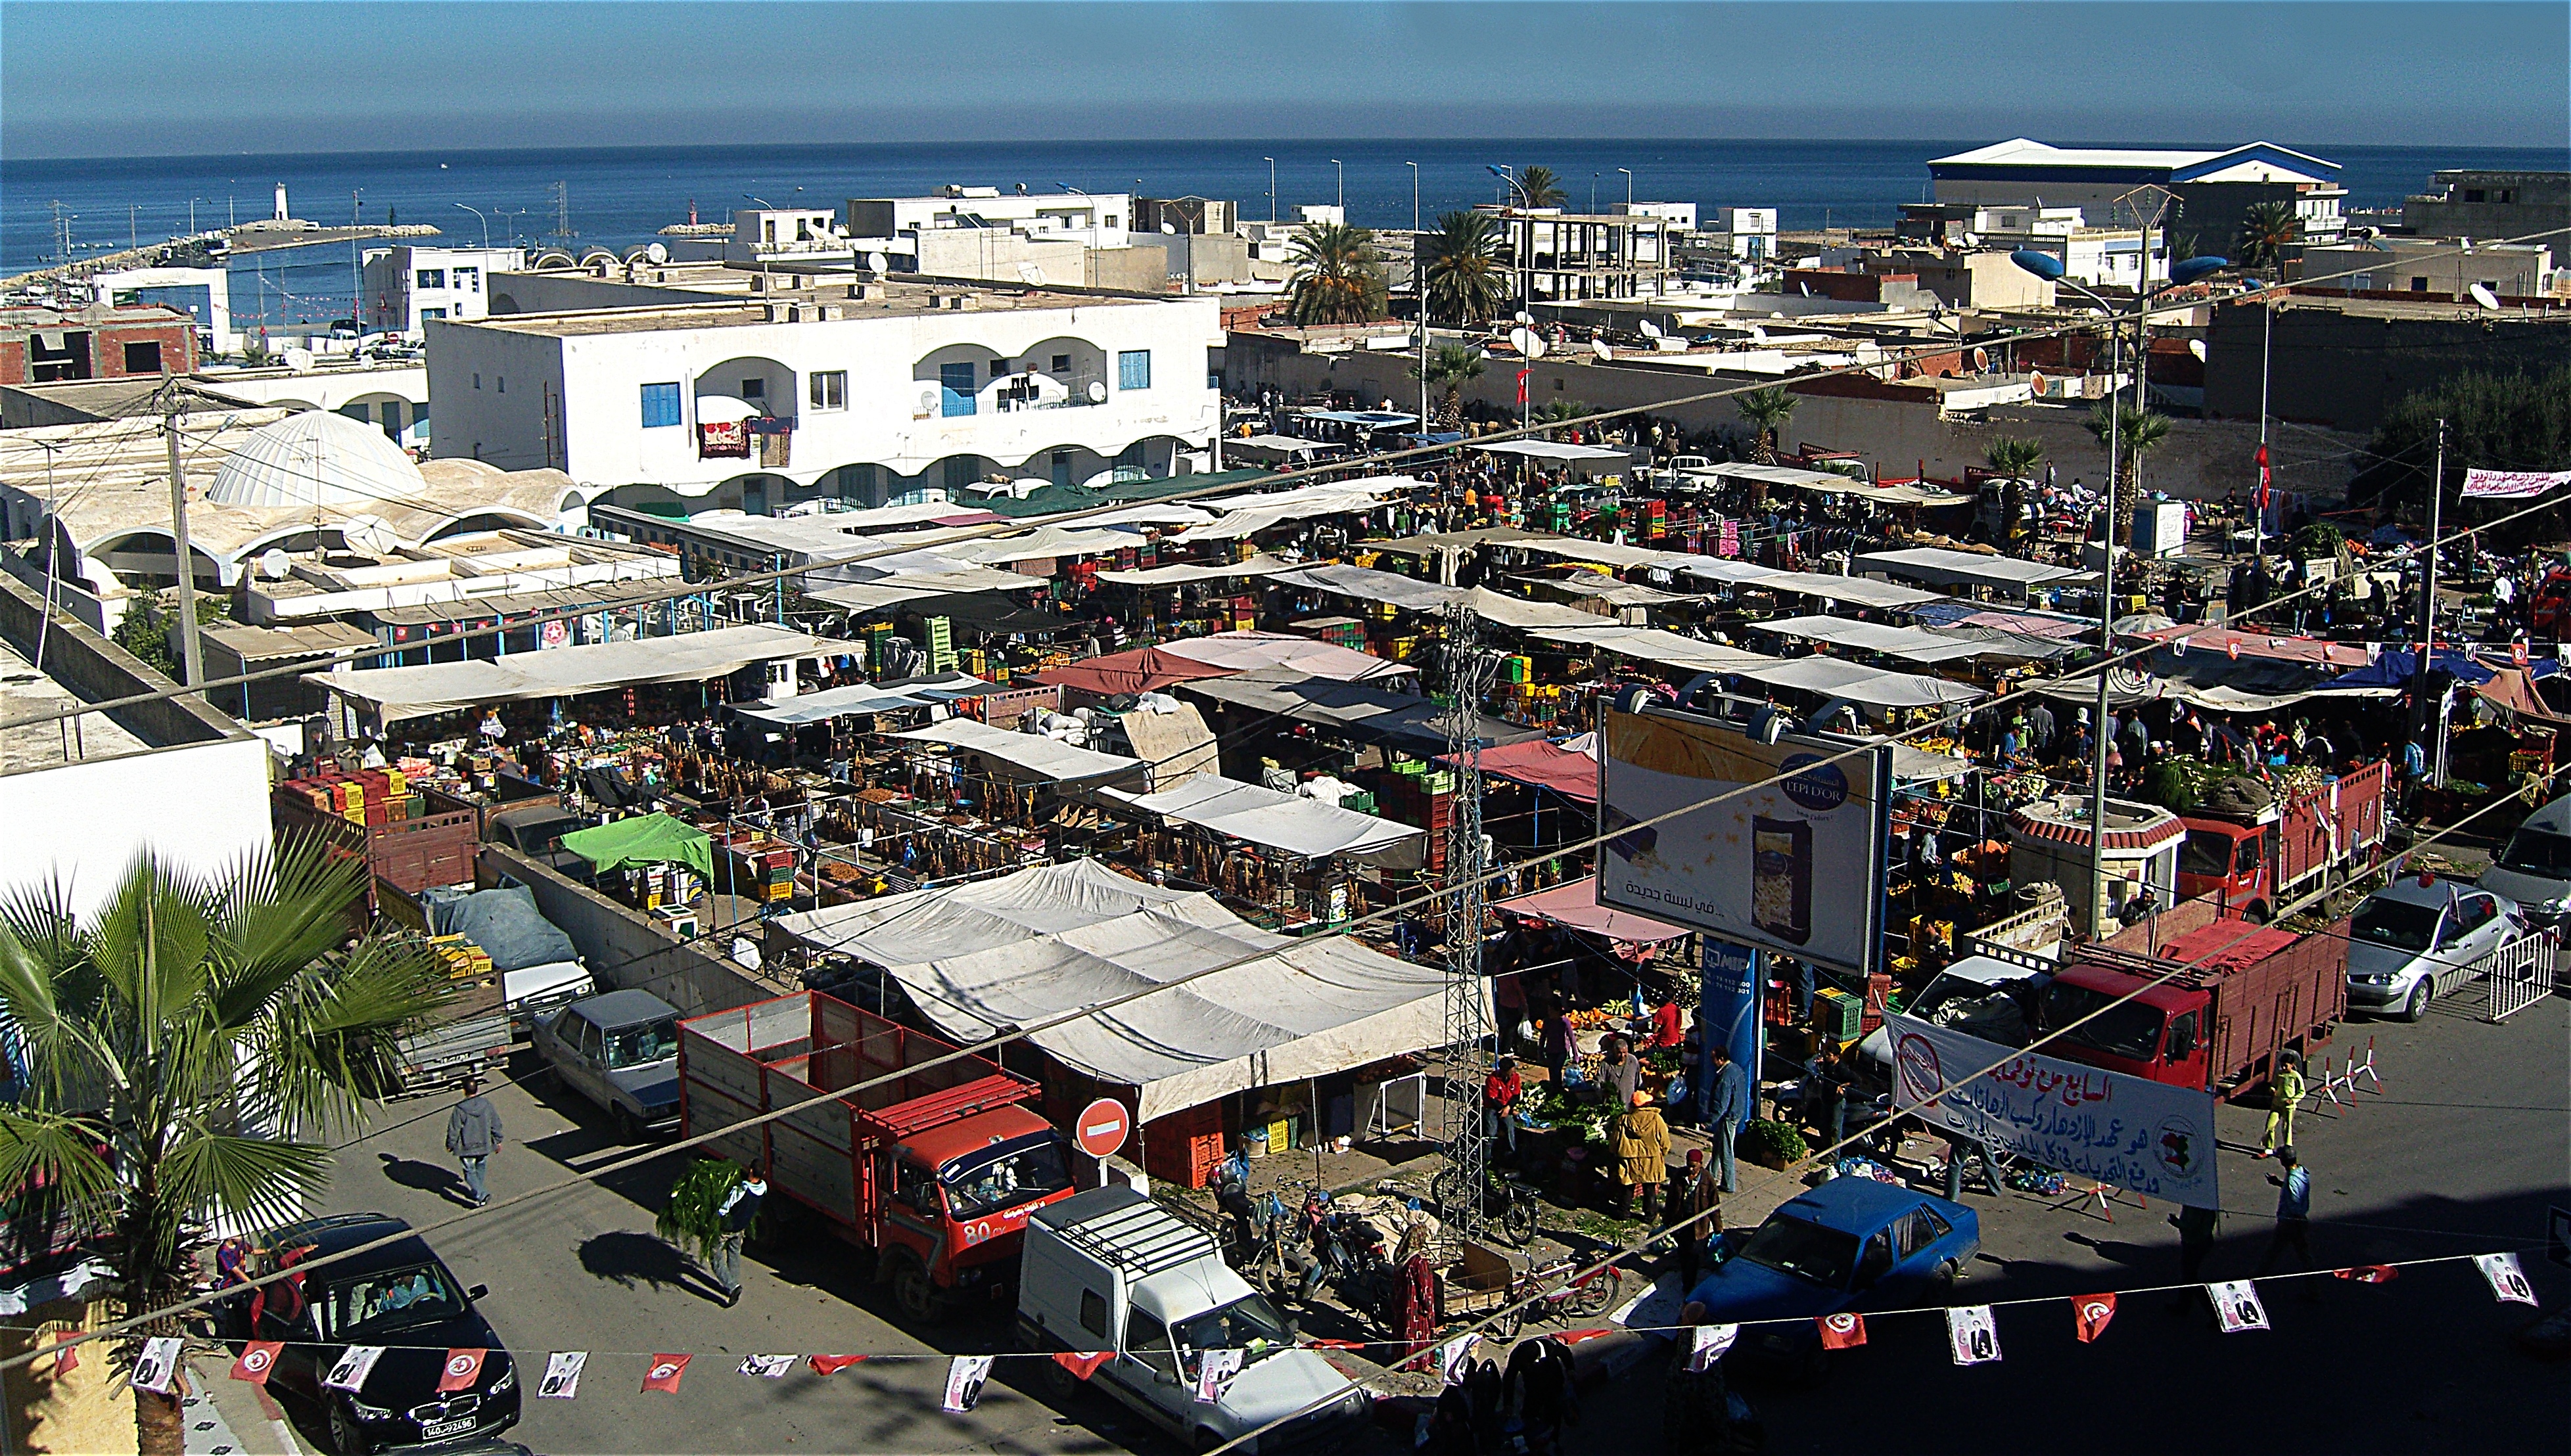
point(631, 1258)
point(428, 1178)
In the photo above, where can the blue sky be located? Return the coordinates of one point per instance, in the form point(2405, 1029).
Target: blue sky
point(115, 78)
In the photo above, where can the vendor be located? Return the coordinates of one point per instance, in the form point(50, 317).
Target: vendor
point(1620, 1072)
point(1501, 1092)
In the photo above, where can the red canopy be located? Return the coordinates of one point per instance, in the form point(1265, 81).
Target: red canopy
point(1140, 671)
point(1574, 903)
point(1543, 765)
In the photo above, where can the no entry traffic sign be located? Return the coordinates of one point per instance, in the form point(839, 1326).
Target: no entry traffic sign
point(1103, 1127)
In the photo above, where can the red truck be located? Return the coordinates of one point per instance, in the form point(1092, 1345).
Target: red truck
point(2250, 866)
point(2246, 994)
point(935, 1172)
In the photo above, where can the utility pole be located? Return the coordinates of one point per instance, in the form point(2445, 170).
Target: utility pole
point(2421, 710)
point(1468, 1015)
point(194, 658)
point(2259, 499)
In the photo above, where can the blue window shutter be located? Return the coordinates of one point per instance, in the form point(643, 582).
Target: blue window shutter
point(1133, 369)
point(660, 405)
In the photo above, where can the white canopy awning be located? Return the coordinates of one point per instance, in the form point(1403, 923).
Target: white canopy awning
point(1912, 644)
point(855, 700)
point(1248, 651)
point(1831, 678)
point(1864, 591)
point(1556, 450)
point(1243, 523)
point(915, 586)
point(1418, 596)
point(1043, 756)
point(1049, 541)
point(398, 694)
point(953, 920)
point(1651, 644)
point(1169, 576)
point(1302, 827)
point(1939, 566)
point(1604, 553)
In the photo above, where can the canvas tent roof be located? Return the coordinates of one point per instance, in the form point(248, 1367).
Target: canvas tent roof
point(1169, 576)
point(434, 688)
point(953, 920)
point(1045, 757)
point(1908, 642)
point(1831, 678)
point(1574, 903)
point(1556, 450)
point(1304, 827)
point(913, 586)
point(1141, 670)
point(1418, 596)
point(1247, 650)
point(1369, 714)
point(1939, 566)
point(1651, 644)
point(857, 700)
point(1860, 590)
point(645, 840)
point(1173, 746)
point(1540, 763)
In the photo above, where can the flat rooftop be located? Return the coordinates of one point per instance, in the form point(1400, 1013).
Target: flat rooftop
point(894, 299)
point(25, 691)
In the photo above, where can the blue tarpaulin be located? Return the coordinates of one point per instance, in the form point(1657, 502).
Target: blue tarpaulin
point(2393, 669)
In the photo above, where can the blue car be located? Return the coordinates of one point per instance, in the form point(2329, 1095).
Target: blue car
point(1851, 1244)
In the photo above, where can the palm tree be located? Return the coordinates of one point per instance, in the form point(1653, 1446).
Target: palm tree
point(2266, 230)
point(1461, 263)
point(2136, 432)
point(1450, 368)
point(2012, 458)
point(1767, 411)
point(1337, 277)
point(183, 1044)
point(1540, 188)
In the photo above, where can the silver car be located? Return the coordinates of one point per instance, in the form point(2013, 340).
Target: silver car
point(621, 1050)
point(2417, 938)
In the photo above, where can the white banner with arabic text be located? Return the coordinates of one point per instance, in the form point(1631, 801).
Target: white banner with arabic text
point(2144, 1137)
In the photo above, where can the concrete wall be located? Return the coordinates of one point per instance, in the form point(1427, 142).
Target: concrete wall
point(624, 950)
point(2344, 370)
point(2201, 459)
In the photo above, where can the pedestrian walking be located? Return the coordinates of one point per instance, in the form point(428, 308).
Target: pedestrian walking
point(1695, 1210)
point(472, 1135)
point(1728, 1109)
point(2285, 1093)
point(734, 1215)
point(1639, 1141)
point(2293, 1215)
point(1959, 1148)
point(1826, 1085)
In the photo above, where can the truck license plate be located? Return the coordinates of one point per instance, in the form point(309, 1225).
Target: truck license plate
point(440, 1430)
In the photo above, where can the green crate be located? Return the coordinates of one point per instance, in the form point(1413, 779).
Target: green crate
point(1840, 1015)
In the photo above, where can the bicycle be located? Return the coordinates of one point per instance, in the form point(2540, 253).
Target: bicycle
point(1510, 1201)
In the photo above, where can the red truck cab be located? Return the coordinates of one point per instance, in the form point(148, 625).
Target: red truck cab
point(2158, 1036)
point(2214, 1008)
point(961, 1192)
point(2253, 866)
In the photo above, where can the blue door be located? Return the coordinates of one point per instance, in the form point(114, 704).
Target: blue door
point(955, 389)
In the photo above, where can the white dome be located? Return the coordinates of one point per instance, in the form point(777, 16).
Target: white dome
point(315, 459)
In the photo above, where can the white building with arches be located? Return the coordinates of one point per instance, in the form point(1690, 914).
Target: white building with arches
point(859, 394)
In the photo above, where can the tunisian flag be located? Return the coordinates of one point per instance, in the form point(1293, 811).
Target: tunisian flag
point(2092, 1311)
point(666, 1373)
point(833, 1364)
point(1841, 1331)
point(2267, 479)
point(1522, 386)
point(257, 1361)
point(463, 1367)
point(1083, 1363)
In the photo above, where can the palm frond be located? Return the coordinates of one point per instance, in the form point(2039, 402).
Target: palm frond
point(52, 1156)
point(263, 1180)
point(326, 1039)
point(281, 914)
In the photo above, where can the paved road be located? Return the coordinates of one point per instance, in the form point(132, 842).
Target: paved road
point(2462, 1152)
point(581, 1269)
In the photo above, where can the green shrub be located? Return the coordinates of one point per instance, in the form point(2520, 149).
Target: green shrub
point(1781, 1141)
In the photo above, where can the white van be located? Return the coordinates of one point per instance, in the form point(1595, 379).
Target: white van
point(1111, 1271)
point(2534, 868)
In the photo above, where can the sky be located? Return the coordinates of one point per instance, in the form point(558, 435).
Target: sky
point(141, 78)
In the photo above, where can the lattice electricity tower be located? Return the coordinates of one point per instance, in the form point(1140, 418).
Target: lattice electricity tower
point(1469, 1003)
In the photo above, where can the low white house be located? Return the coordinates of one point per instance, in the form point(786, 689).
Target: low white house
point(407, 287)
point(864, 392)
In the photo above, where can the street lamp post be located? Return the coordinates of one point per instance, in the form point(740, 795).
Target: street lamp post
point(1629, 187)
point(1526, 281)
point(1344, 186)
point(2048, 268)
point(1088, 258)
point(486, 223)
point(1419, 285)
point(1272, 186)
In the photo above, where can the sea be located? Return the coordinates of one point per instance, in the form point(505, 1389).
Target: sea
point(620, 198)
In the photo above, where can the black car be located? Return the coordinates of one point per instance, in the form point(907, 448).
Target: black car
point(399, 1297)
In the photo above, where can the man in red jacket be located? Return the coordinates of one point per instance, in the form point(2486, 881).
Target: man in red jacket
point(1501, 1092)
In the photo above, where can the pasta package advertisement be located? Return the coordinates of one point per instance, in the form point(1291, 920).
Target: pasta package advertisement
point(1795, 867)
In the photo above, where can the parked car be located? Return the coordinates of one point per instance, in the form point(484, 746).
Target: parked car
point(1851, 1243)
point(2534, 867)
point(621, 1050)
point(2417, 938)
point(401, 1297)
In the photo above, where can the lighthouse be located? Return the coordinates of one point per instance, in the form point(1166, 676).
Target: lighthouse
point(280, 202)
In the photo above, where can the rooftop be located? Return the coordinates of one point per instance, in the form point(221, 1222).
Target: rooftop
point(2023, 153)
point(24, 691)
point(831, 293)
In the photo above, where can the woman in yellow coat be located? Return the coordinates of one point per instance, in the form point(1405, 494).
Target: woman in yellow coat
point(1639, 1141)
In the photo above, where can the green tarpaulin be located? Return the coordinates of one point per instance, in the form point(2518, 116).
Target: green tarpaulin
point(650, 839)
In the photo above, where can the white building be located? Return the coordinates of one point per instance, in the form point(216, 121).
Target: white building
point(859, 393)
point(202, 293)
point(1748, 233)
point(2102, 258)
point(390, 394)
point(407, 287)
point(2435, 265)
point(1677, 214)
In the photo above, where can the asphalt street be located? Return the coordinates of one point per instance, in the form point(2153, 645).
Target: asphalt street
point(2462, 1151)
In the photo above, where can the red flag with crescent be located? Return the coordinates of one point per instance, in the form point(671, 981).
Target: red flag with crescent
point(833, 1364)
point(664, 1372)
point(463, 1367)
point(1083, 1363)
point(1841, 1331)
point(257, 1361)
point(2267, 479)
point(2092, 1311)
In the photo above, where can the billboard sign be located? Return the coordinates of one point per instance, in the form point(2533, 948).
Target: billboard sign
point(2144, 1137)
point(1795, 867)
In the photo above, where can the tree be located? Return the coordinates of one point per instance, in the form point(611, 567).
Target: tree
point(1450, 368)
point(2266, 230)
point(2515, 422)
point(2013, 458)
point(1337, 277)
point(2137, 432)
point(183, 1044)
point(145, 628)
point(1461, 263)
point(1540, 188)
point(1767, 410)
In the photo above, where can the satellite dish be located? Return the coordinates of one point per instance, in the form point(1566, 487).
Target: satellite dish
point(928, 401)
point(655, 252)
point(1648, 327)
point(1981, 360)
point(1523, 340)
point(1525, 317)
point(275, 564)
point(1098, 391)
point(2035, 384)
point(368, 536)
point(878, 263)
point(2195, 346)
point(1599, 347)
point(2482, 295)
